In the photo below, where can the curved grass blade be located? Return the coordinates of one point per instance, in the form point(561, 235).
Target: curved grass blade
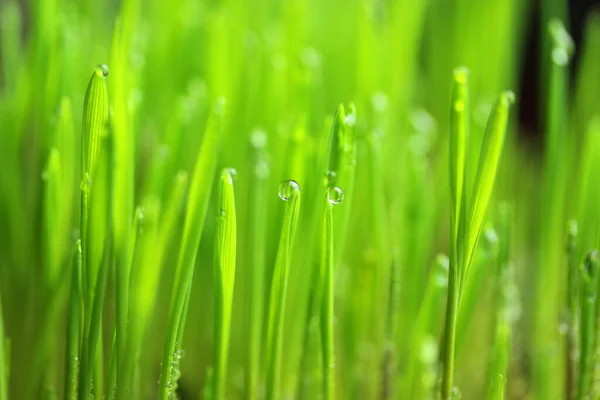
point(197, 207)
point(489, 159)
point(333, 196)
point(224, 270)
point(589, 288)
point(288, 191)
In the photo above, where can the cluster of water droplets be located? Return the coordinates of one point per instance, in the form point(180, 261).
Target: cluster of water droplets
point(174, 372)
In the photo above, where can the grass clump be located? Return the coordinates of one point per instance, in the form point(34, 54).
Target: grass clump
point(117, 281)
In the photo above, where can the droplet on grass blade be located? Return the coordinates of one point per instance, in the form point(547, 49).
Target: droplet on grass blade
point(562, 43)
point(287, 189)
point(335, 195)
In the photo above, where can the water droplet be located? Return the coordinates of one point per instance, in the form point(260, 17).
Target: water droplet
point(45, 175)
point(335, 195)
point(461, 74)
point(103, 69)
point(350, 119)
point(233, 173)
point(222, 213)
point(509, 97)
point(456, 394)
point(86, 183)
point(258, 138)
point(330, 178)
point(560, 56)
point(287, 189)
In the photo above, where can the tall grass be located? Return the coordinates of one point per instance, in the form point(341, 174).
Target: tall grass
point(118, 281)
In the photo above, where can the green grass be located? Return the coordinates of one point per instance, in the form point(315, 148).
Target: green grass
point(124, 275)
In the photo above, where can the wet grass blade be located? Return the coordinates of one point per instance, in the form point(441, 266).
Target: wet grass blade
point(289, 191)
point(333, 196)
point(199, 195)
point(95, 120)
point(224, 272)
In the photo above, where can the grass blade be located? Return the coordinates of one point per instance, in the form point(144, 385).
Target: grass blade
point(333, 196)
point(95, 119)
point(199, 195)
point(589, 288)
point(224, 270)
point(258, 236)
point(491, 150)
point(288, 191)
point(3, 359)
point(74, 327)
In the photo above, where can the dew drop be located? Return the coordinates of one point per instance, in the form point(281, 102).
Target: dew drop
point(45, 175)
point(350, 119)
point(509, 96)
point(233, 173)
point(335, 195)
point(456, 394)
point(560, 56)
point(461, 74)
point(103, 69)
point(330, 178)
point(287, 189)
point(86, 183)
